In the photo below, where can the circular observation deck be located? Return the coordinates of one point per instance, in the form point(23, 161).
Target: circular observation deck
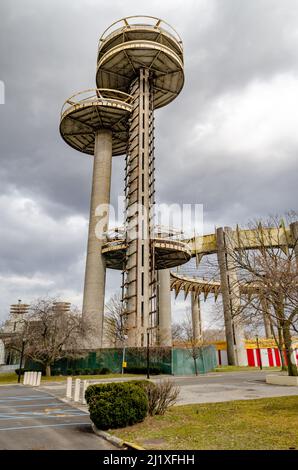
point(91, 110)
point(141, 42)
point(169, 252)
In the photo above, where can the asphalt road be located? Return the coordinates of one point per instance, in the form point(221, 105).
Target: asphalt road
point(34, 419)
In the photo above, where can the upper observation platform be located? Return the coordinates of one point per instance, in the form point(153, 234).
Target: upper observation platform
point(170, 249)
point(138, 42)
point(89, 111)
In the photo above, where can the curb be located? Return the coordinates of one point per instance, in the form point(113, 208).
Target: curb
point(115, 440)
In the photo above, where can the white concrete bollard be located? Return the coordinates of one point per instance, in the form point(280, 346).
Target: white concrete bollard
point(34, 377)
point(69, 387)
point(85, 385)
point(25, 379)
point(76, 396)
point(38, 379)
point(30, 376)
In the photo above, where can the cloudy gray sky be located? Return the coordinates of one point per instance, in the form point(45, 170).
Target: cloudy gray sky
point(229, 141)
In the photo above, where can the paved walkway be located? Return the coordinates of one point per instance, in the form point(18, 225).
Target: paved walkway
point(32, 419)
point(208, 388)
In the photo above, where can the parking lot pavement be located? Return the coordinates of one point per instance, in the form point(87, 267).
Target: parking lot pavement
point(35, 419)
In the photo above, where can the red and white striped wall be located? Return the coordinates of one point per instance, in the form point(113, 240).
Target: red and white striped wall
point(270, 357)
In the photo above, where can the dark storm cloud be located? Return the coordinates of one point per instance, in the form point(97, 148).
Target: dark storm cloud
point(48, 51)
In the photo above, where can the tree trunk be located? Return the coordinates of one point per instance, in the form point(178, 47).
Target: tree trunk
point(280, 348)
point(292, 368)
point(48, 370)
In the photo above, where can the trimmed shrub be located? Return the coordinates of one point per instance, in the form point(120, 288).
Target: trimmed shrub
point(116, 405)
point(77, 372)
point(153, 370)
point(104, 371)
point(22, 371)
point(69, 372)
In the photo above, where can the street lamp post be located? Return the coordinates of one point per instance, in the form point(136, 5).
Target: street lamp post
point(123, 353)
point(21, 361)
point(148, 356)
point(259, 351)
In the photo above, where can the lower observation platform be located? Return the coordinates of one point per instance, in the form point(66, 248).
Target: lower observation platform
point(89, 111)
point(169, 252)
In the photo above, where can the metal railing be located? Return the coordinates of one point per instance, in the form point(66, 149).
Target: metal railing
point(129, 22)
point(96, 94)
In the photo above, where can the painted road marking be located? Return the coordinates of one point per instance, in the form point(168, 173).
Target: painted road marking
point(39, 404)
point(35, 414)
point(24, 398)
point(44, 426)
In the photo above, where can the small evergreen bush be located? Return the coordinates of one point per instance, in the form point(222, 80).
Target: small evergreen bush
point(116, 405)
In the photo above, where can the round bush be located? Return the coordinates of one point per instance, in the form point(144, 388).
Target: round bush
point(116, 405)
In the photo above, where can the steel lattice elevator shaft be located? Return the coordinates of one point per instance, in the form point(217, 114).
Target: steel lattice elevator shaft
point(140, 278)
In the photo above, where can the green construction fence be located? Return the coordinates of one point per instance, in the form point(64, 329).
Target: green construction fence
point(174, 361)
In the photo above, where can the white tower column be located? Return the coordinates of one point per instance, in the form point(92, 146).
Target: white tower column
point(164, 308)
point(95, 273)
point(196, 317)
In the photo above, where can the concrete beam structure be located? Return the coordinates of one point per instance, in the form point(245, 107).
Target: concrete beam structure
point(164, 308)
point(95, 272)
point(196, 317)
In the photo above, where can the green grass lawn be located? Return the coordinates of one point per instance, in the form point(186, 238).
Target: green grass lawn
point(11, 377)
point(242, 368)
point(267, 423)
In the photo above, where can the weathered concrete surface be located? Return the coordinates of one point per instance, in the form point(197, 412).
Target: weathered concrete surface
point(95, 273)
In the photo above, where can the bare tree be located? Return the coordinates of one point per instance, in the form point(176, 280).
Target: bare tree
point(191, 343)
point(49, 334)
point(270, 271)
point(114, 322)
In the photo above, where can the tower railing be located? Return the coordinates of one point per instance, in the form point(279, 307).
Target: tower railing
point(129, 22)
point(92, 95)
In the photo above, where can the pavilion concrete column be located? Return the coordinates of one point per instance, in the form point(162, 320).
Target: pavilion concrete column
point(164, 308)
point(266, 318)
point(231, 297)
point(196, 317)
point(95, 273)
point(294, 232)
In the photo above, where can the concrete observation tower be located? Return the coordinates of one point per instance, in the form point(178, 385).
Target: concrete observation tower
point(139, 69)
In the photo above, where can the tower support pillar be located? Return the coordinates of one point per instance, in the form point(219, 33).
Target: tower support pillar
point(294, 232)
point(231, 298)
point(164, 308)
point(196, 317)
point(95, 272)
